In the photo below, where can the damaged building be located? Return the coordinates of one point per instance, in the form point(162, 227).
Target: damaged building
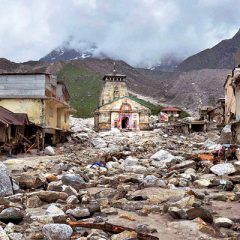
point(41, 97)
point(117, 109)
point(13, 129)
point(232, 103)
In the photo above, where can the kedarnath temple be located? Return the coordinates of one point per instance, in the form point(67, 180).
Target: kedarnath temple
point(117, 109)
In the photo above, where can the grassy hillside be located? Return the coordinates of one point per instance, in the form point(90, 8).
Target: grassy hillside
point(85, 87)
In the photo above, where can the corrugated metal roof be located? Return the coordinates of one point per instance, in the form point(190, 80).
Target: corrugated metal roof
point(8, 117)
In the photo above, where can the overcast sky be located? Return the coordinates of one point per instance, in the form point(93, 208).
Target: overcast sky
point(137, 31)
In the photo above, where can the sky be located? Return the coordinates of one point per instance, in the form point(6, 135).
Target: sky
point(140, 32)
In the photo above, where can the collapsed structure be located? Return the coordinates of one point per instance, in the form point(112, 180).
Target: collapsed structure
point(117, 109)
point(232, 103)
point(42, 98)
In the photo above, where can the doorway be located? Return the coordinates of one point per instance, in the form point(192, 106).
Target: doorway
point(124, 122)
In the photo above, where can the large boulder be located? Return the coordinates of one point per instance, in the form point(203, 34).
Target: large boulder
point(28, 181)
point(3, 235)
point(98, 143)
point(162, 158)
point(204, 214)
point(11, 214)
point(49, 151)
point(57, 232)
point(79, 213)
point(49, 196)
point(5, 182)
point(223, 169)
point(223, 222)
point(74, 180)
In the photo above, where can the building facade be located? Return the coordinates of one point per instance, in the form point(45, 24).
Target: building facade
point(40, 96)
point(117, 109)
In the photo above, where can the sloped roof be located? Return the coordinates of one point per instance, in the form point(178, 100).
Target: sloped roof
point(8, 117)
point(170, 109)
point(129, 97)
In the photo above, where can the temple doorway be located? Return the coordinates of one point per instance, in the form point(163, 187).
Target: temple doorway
point(125, 122)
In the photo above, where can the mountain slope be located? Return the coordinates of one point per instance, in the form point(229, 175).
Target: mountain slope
point(221, 56)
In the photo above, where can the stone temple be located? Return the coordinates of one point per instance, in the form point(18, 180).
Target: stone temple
point(117, 109)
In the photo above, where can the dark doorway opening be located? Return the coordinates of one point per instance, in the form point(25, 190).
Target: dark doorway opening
point(124, 122)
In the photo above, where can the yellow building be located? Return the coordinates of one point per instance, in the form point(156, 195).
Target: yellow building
point(40, 96)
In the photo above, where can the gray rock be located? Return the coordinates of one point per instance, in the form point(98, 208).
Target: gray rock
point(11, 214)
point(162, 158)
point(74, 180)
point(57, 231)
point(223, 169)
point(185, 164)
point(223, 222)
point(33, 202)
point(72, 200)
point(177, 213)
point(131, 161)
point(79, 212)
point(98, 143)
point(49, 151)
point(3, 235)
point(5, 182)
point(28, 181)
point(150, 180)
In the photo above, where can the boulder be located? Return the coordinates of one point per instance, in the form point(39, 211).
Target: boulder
point(54, 211)
point(162, 158)
point(177, 213)
point(74, 180)
point(57, 232)
point(3, 235)
point(5, 182)
point(202, 183)
point(223, 169)
point(136, 169)
point(98, 143)
point(28, 181)
point(125, 235)
point(50, 196)
point(33, 202)
point(79, 213)
point(185, 164)
point(131, 161)
point(150, 181)
point(200, 212)
point(223, 222)
point(49, 151)
point(11, 214)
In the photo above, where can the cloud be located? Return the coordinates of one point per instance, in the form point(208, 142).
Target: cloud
point(140, 32)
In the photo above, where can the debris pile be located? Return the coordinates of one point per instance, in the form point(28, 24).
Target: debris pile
point(123, 185)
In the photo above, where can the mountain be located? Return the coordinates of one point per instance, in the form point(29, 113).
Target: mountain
point(221, 56)
point(71, 50)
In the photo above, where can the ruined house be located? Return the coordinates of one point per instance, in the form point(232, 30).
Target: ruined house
point(230, 100)
point(13, 127)
point(117, 109)
point(169, 114)
point(41, 97)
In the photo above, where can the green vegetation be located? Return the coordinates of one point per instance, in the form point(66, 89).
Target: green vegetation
point(154, 108)
point(184, 114)
point(84, 87)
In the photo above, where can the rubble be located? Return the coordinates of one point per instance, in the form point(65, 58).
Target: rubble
point(122, 185)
